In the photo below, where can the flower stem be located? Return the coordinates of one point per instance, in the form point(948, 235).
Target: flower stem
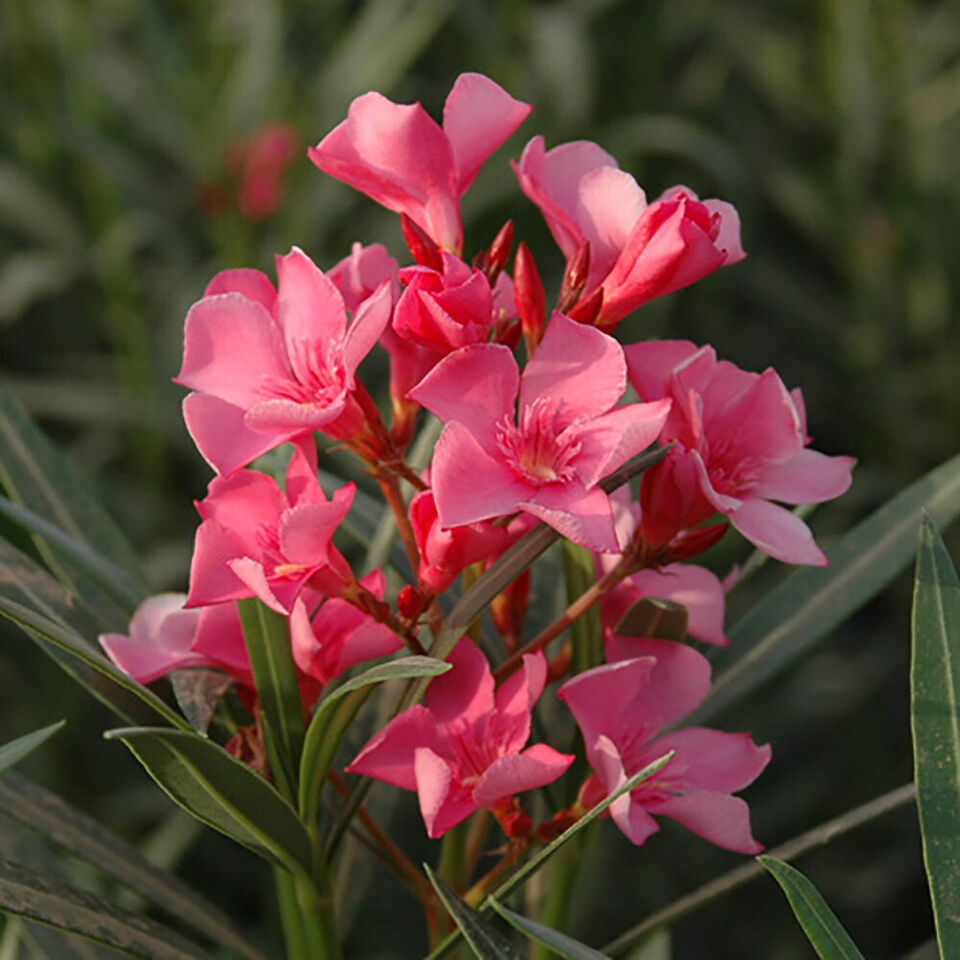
point(390, 487)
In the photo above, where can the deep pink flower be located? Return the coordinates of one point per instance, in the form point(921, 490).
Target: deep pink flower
point(622, 707)
point(338, 636)
point(257, 540)
point(400, 157)
point(463, 749)
point(164, 636)
point(746, 436)
point(638, 251)
point(548, 459)
point(270, 366)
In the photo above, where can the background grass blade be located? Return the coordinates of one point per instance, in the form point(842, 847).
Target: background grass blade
point(812, 601)
point(935, 696)
point(486, 942)
point(222, 793)
point(14, 751)
point(559, 943)
point(46, 814)
point(50, 901)
point(820, 924)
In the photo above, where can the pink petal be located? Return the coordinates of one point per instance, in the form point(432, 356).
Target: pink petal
point(367, 327)
point(244, 503)
point(711, 759)
point(582, 516)
point(535, 767)
point(465, 692)
point(608, 441)
point(477, 117)
point(360, 273)
point(232, 349)
point(809, 477)
point(442, 803)
point(468, 484)
point(389, 754)
point(283, 419)
point(579, 368)
point(678, 683)
point(717, 817)
point(651, 365)
point(220, 638)
point(211, 579)
point(254, 578)
point(305, 530)
point(521, 690)
point(778, 532)
point(301, 484)
point(476, 386)
point(627, 813)
point(728, 239)
point(310, 309)
point(697, 588)
point(221, 435)
point(253, 284)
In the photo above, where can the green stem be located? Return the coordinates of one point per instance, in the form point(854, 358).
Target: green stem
point(293, 933)
point(319, 920)
point(561, 885)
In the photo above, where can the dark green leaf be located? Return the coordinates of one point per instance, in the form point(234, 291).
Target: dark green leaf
point(820, 924)
point(935, 695)
point(14, 751)
point(267, 637)
point(812, 601)
point(485, 940)
point(221, 792)
point(559, 943)
point(652, 617)
point(81, 836)
point(586, 632)
point(334, 714)
point(36, 897)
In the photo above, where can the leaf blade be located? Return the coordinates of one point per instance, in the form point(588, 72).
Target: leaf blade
point(15, 750)
point(559, 943)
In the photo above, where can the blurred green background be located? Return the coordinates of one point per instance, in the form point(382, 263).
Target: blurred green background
point(832, 125)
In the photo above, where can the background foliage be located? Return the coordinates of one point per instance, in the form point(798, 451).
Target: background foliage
point(833, 126)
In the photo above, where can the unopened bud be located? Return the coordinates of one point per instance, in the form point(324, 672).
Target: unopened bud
point(496, 257)
point(575, 279)
point(529, 297)
point(410, 603)
point(422, 248)
point(588, 309)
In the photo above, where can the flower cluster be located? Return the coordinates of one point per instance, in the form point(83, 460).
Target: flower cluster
point(530, 435)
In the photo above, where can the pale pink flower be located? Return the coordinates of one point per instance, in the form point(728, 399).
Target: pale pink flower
point(464, 749)
point(164, 636)
point(400, 157)
point(257, 540)
point(621, 709)
point(269, 365)
point(638, 251)
point(746, 436)
point(338, 635)
point(548, 459)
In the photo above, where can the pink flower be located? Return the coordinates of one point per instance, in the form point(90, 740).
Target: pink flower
point(621, 709)
point(746, 437)
point(464, 749)
point(259, 165)
point(359, 275)
point(397, 155)
point(638, 251)
point(257, 540)
point(164, 636)
point(270, 366)
point(338, 635)
point(567, 434)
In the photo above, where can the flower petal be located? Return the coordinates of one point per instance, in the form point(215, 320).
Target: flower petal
point(389, 754)
point(537, 766)
point(443, 804)
point(712, 760)
point(310, 310)
point(253, 284)
point(809, 477)
point(581, 515)
point(717, 817)
point(778, 532)
point(465, 692)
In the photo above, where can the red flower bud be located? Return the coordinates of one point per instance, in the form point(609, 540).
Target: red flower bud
point(422, 248)
point(575, 279)
point(529, 297)
point(587, 311)
point(496, 257)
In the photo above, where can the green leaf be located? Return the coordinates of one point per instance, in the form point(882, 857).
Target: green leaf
point(586, 632)
point(46, 814)
point(935, 713)
point(559, 943)
point(485, 940)
point(14, 751)
point(267, 636)
point(35, 475)
point(334, 714)
point(50, 901)
point(535, 863)
point(652, 617)
point(222, 793)
point(812, 601)
point(820, 924)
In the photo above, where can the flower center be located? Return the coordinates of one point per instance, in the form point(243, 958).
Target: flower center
point(534, 447)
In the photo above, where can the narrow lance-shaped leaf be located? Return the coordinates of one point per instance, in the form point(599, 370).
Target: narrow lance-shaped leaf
point(586, 632)
point(485, 940)
point(222, 793)
point(81, 836)
point(14, 751)
point(37, 897)
point(267, 637)
point(935, 696)
point(536, 862)
point(335, 713)
point(814, 600)
point(559, 943)
point(820, 924)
